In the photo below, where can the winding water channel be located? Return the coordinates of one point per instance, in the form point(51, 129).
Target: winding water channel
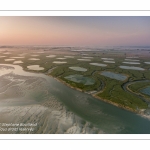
point(102, 116)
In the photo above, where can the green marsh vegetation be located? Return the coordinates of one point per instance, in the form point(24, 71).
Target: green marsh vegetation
point(105, 88)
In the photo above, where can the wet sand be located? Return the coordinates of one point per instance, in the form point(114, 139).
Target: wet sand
point(27, 99)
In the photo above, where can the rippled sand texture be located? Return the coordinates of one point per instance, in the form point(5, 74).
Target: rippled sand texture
point(27, 99)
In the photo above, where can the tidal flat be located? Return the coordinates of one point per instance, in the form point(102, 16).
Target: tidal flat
point(84, 102)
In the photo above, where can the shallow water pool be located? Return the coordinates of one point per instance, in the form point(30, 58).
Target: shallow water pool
point(80, 79)
point(98, 64)
point(35, 67)
point(78, 69)
point(131, 68)
point(113, 75)
point(146, 90)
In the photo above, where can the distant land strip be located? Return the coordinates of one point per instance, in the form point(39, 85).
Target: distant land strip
point(74, 10)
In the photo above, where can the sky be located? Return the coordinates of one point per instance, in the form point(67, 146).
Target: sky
point(75, 30)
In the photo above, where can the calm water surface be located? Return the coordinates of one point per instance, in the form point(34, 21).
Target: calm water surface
point(146, 90)
point(80, 79)
point(131, 68)
point(113, 75)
